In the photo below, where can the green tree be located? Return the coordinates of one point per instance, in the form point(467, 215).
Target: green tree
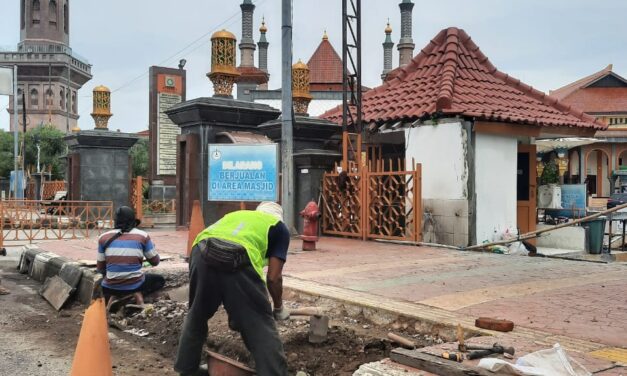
point(53, 148)
point(52, 145)
point(6, 153)
point(139, 157)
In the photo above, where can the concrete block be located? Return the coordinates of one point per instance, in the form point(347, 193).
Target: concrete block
point(54, 265)
point(29, 252)
point(89, 286)
point(56, 291)
point(71, 273)
point(38, 270)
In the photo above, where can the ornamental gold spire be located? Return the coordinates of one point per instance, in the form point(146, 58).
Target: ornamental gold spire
point(300, 87)
point(223, 60)
point(101, 107)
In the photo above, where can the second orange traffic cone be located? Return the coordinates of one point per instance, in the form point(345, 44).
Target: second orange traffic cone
point(196, 225)
point(93, 356)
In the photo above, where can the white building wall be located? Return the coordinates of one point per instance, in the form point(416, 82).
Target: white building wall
point(496, 159)
point(442, 152)
point(441, 149)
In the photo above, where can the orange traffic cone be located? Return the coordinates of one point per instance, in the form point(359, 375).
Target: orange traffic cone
point(93, 356)
point(196, 225)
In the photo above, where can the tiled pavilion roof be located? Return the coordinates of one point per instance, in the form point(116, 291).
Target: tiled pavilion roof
point(451, 76)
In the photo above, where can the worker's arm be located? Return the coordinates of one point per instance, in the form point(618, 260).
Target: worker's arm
point(150, 253)
point(101, 263)
point(275, 281)
point(278, 244)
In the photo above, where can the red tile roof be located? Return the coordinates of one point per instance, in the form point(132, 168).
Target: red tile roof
point(565, 91)
point(451, 76)
point(593, 99)
point(325, 65)
point(599, 100)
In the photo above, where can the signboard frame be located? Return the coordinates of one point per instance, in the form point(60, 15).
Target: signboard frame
point(158, 85)
point(276, 153)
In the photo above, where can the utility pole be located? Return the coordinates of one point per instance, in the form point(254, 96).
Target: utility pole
point(16, 134)
point(287, 146)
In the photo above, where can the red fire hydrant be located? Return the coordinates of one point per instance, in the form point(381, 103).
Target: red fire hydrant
point(310, 215)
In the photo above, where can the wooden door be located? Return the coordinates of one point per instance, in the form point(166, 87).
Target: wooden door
point(526, 188)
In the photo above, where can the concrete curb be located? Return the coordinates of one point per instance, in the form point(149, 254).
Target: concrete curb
point(384, 311)
point(41, 265)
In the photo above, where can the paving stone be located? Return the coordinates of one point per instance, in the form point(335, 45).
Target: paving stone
point(56, 291)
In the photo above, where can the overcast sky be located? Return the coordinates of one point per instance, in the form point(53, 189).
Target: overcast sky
point(545, 43)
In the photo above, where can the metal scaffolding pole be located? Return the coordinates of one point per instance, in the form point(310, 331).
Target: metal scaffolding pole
point(351, 79)
point(287, 147)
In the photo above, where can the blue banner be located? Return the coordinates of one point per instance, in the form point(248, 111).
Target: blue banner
point(574, 200)
point(243, 172)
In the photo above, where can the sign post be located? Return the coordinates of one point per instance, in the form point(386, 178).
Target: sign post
point(243, 172)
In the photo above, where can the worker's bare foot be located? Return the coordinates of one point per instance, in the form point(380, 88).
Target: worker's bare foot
point(4, 291)
point(139, 298)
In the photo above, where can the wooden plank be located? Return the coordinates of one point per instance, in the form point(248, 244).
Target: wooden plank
point(434, 364)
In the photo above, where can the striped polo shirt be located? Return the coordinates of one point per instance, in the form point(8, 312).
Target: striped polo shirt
point(124, 257)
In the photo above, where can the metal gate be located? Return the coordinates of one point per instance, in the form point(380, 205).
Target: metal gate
point(376, 204)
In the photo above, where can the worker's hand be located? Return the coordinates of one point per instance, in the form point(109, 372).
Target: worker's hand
point(281, 313)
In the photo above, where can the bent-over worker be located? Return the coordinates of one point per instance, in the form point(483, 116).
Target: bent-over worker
point(121, 254)
point(226, 267)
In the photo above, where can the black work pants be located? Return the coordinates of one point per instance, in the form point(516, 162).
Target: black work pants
point(245, 299)
point(152, 283)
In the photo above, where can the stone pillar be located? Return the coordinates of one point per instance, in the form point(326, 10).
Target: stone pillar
point(406, 43)
point(247, 44)
point(388, 45)
point(263, 52)
point(99, 162)
point(103, 172)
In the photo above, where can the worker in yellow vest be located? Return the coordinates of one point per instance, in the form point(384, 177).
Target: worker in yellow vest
point(226, 267)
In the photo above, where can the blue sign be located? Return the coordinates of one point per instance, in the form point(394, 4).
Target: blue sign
point(574, 200)
point(243, 172)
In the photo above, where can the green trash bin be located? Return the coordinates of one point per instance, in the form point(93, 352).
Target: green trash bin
point(596, 232)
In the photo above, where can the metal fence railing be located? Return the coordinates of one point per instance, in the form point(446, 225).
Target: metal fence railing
point(35, 220)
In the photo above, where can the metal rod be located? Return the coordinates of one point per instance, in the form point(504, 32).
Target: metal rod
point(287, 159)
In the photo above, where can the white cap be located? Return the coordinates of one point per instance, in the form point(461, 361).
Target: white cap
point(271, 208)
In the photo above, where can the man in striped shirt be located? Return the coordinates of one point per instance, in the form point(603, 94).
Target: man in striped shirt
point(121, 253)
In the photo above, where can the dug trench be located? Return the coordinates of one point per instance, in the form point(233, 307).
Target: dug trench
point(42, 340)
point(352, 339)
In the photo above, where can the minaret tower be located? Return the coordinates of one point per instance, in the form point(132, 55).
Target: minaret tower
point(49, 73)
point(406, 43)
point(250, 76)
point(247, 44)
point(388, 45)
point(263, 52)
